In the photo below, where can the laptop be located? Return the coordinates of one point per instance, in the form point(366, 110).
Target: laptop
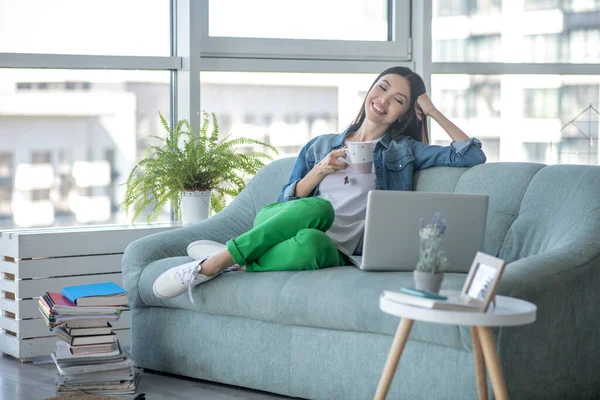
point(391, 238)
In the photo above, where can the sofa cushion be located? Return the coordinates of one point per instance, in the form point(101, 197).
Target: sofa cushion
point(341, 298)
point(505, 184)
point(560, 209)
point(266, 187)
point(438, 179)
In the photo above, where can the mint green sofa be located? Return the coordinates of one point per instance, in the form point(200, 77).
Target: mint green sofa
point(321, 335)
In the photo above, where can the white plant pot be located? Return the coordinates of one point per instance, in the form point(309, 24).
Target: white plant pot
point(195, 207)
point(428, 281)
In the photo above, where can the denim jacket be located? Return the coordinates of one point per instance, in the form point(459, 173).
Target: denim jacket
point(395, 159)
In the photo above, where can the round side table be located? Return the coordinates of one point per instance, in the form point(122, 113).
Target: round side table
point(508, 311)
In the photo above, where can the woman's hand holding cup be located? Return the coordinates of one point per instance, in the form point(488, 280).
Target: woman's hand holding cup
point(360, 155)
point(333, 162)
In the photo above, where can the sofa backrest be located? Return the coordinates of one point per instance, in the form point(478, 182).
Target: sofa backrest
point(262, 189)
point(504, 183)
point(559, 211)
point(531, 206)
point(269, 182)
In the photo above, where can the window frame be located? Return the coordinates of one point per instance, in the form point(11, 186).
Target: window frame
point(191, 53)
point(396, 48)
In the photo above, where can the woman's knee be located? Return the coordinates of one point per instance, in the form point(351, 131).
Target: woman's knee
point(318, 210)
point(318, 246)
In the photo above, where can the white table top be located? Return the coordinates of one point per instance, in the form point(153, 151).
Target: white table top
point(507, 312)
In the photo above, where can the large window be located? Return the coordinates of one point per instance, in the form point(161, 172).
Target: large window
point(82, 83)
point(538, 118)
point(69, 139)
point(334, 29)
point(335, 19)
point(536, 32)
point(285, 110)
point(533, 89)
point(107, 27)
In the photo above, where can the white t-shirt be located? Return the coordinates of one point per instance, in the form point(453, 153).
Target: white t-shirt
point(347, 192)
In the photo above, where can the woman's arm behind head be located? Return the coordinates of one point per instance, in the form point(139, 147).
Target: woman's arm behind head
point(465, 153)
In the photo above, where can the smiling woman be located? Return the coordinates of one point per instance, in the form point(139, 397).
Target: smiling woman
point(387, 104)
point(322, 208)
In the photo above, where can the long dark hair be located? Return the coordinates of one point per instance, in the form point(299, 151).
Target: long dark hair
point(410, 125)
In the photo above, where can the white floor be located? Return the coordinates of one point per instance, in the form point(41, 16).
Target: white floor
point(35, 381)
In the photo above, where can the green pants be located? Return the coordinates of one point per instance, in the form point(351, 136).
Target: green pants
point(288, 236)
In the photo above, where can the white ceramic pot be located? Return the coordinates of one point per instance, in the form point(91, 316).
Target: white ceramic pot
point(195, 207)
point(428, 281)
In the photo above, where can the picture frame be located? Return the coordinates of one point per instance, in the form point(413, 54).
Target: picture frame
point(480, 286)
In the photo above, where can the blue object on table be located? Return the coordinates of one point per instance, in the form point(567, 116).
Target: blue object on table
point(423, 293)
point(95, 289)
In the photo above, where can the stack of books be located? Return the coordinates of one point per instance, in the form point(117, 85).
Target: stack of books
point(110, 373)
point(88, 355)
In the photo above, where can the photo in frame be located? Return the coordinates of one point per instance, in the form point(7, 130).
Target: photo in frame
point(480, 286)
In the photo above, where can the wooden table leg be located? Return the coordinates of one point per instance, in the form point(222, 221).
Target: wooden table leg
point(393, 357)
point(492, 362)
point(479, 366)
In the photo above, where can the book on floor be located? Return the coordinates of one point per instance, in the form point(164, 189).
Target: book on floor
point(63, 335)
point(91, 348)
point(63, 355)
point(122, 374)
point(57, 304)
point(91, 323)
point(53, 321)
point(85, 368)
point(118, 387)
point(96, 294)
point(100, 330)
point(450, 304)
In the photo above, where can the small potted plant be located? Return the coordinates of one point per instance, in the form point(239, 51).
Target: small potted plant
point(191, 170)
point(429, 272)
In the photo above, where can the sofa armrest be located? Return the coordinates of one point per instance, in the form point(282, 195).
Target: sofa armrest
point(561, 345)
point(229, 223)
point(526, 277)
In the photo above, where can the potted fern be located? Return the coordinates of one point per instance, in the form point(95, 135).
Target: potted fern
point(191, 170)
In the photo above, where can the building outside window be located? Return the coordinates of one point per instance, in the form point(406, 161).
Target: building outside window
point(541, 103)
point(526, 113)
point(6, 185)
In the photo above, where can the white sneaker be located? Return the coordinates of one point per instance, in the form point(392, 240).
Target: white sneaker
point(204, 248)
point(177, 280)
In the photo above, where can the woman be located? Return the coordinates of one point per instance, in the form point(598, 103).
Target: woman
point(329, 201)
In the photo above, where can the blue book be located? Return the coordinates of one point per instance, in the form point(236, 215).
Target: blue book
point(96, 294)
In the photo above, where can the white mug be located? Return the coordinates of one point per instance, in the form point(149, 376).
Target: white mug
point(360, 155)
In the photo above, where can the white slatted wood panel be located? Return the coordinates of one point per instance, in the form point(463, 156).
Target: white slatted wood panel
point(36, 261)
point(21, 308)
point(79, 241)
point(29, 288)
point(62, 266)
point(29, 348)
